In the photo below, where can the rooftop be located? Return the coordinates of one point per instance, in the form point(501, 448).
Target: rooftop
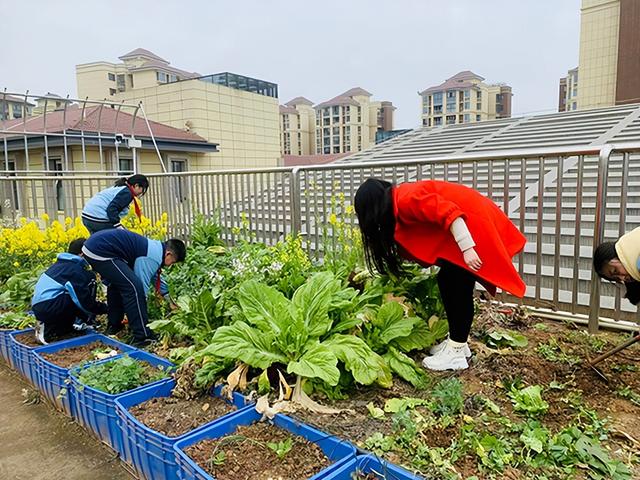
point(345, 98)
point(299, 101)
point(580, 128)
point(98, 119)
point(464, 79)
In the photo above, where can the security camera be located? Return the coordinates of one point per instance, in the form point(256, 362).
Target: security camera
point(119, 138)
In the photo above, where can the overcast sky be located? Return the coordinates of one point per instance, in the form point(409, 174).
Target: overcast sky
point(392, 48)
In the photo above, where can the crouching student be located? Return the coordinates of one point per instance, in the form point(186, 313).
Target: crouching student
point(130, 264)
point(619, 262)
point(65, 295)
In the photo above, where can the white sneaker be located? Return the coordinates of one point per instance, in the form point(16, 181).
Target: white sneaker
point(39, 331)
point(438, 348)
point(449, 358)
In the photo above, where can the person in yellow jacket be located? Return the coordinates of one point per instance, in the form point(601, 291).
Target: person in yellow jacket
point(619, 262)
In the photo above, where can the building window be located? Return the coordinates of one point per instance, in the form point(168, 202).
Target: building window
point(121, 84)
point(424, 121)
point(17, 110)
point(112, 91)
point(112, 77)
point(437, 109)
point(451, 119)
point(437, 121)
point(179, 183)
point(326, 121)
point(467, 118)
point(359, 114)
point(478, 118)
point(55, 165)
point(437, 98)
point(479, 106)
point(326, 150)
point(336, 130)
point(161, 77)
point(125, 166)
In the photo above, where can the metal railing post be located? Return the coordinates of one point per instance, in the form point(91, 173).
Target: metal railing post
point(294, 198)
point(598, 233)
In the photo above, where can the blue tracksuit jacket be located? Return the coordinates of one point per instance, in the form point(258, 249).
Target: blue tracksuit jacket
point(108, 206)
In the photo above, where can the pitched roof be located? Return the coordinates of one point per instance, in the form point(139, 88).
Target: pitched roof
point(299, 101)
point(155, 65)
point(141, 52)
point(459, 80)
point(285, 109)
point(107, 122)
point(345, 98)
point(14, 99)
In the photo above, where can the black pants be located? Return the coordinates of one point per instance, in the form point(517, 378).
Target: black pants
point(456, 290)
point(125, 294)
point(94, 227)
point(58, 315)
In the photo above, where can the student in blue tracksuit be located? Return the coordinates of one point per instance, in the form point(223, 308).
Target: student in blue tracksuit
point(106, 208)
point(66, 292)
point(130, 264)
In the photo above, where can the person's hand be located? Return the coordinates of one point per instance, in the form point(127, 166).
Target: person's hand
point(472, 259)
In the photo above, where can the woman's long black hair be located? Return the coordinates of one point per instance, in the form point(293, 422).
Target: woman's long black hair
point(374, 206)
point(133, 180)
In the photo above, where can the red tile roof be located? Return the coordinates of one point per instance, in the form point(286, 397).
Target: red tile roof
point(299, 101)
point(345, 98)
point(141, 52)
point(12, 98)
point(285, 109)
point(108, 124)
point(459, 80)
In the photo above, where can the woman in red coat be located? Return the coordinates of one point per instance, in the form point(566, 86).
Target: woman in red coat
point(445, 224)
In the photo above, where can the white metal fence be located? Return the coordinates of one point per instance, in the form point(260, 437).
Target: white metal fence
point(564, 200)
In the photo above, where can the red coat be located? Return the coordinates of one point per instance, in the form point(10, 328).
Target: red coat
point(424, 212)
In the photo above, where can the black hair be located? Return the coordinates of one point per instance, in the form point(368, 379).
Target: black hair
point(75, 247)
point(178, 249)
point(133, 180)
point(604, 253)
point(374, 206)
point(633, 292)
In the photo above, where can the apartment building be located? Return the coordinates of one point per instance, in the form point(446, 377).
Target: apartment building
point(349, 122)
point(12, 107)
point(297, 122)
point(238, 113)
point(568, 91)
point(464, 98)
point(609, 58)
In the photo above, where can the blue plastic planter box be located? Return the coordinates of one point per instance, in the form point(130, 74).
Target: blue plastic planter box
point(96, 410)
point(22, 357)
point(53, 378)
point(5, 345)
point(148, 451)
point(338, 451)
point(371, 464)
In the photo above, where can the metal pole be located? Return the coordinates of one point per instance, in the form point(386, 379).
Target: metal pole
point(294, 189)
point(153, 139)
point(598, 233)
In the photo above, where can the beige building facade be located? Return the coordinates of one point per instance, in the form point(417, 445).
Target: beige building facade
point(297, 127)
point(345, 123)
point(464, 98)
point(609, 58)
point(238, 113)
point(12, 107)
point(349, 122)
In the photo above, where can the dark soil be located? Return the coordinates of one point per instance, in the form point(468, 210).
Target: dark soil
point(69, 357)
point(173, 417)
point(28, 339)
point(247, 456)
point(490, 370)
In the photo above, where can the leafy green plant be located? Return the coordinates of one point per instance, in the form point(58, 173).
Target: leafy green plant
point(18, 290)
point(295, 333)
point(206, 232)
point(505, 338)
point(282, 447)
point(390, 332)
point(528, 400)
point(448, 397)
point(119, 375)
point(628, 393)
point(16, 321)
point(553, 351)
point(196, 318)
